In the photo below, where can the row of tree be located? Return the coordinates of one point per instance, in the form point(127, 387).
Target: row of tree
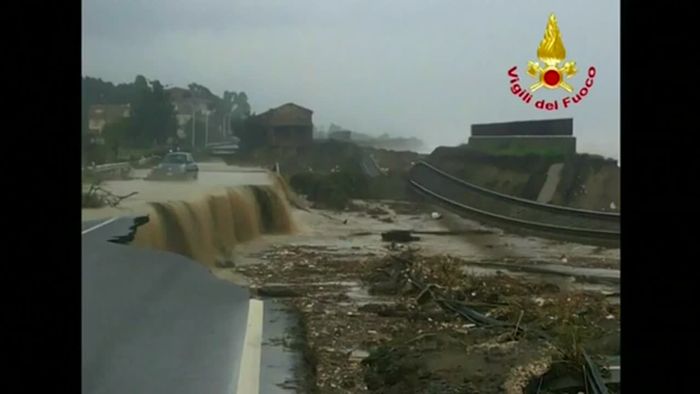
point(153, 119)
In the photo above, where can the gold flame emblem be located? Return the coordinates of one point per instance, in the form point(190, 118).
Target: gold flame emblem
point(552, 53)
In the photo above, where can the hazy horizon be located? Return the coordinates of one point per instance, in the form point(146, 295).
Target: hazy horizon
point(409, 69)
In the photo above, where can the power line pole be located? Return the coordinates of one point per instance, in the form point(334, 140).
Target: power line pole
point(206, 129)
point(193, 127)
point(226, 125)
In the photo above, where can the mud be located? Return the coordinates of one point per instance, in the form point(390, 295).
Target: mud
point(589, 182)
point(449, 361)
point(369, 330)
point(390, 339)
point(586, 181)
point(213, 177)
point(211, 216)
point(516, 176)
point(366, 326)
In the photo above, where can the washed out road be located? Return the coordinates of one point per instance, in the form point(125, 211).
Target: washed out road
point(156, 322)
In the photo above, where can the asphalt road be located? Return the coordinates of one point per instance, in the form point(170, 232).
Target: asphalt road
point(155, 322)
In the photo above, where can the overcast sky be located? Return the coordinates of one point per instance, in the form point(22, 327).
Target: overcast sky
point(418, 68)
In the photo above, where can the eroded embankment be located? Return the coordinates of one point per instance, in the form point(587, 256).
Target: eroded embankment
point(585, 181)
point(208, 229)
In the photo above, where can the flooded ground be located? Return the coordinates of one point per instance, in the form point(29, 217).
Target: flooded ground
point(369, 336)
point(367, 327)
point(359, 234)
point(212, 176)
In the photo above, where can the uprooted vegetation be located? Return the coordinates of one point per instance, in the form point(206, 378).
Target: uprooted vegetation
point(330, 173)
point(97, 197)
point(331, 191)
point(336, 190)
point(535, 326)
point(427, 326)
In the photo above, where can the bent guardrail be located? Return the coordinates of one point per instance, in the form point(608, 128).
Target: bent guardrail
point(514, 213)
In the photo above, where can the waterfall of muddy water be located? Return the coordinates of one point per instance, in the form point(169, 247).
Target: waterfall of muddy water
point(207, 229)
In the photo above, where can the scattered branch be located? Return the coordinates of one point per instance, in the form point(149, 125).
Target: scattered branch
point(97, 196)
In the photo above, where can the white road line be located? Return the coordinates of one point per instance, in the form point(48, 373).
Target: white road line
point(106, 222)
point(249, 374)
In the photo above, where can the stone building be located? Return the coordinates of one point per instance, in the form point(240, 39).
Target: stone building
point(289, 125)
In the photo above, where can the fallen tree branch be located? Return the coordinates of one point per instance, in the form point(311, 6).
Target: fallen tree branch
point(593, 381)
point(104, 196)
point(113, 199)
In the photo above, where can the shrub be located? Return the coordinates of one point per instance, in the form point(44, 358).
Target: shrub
point(333, 190)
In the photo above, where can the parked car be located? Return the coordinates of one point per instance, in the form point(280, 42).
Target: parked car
point(175, 165)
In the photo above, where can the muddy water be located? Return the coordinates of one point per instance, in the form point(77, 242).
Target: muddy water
point(360, 236)
point(570, 282)
point(221, 211)
point(208, 228)
point(356, 235)
point(212, 177)
point(203, 219)
point(333, 301)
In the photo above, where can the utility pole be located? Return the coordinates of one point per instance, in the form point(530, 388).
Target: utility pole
point(226, 125)
point(222, 127)
point(193, 127)
point(206, 129)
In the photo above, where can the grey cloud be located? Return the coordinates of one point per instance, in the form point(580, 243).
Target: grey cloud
point(415, 68)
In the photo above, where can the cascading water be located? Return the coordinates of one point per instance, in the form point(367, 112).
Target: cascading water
point(208, 229)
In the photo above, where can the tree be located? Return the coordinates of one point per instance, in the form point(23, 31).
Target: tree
point(163, 113)
point(201, 92)
point(93, 91)
point(153, 115)
point(251, 133)
point(240, 112)
point(116, 134)
point(241, 106)
point(140, 84)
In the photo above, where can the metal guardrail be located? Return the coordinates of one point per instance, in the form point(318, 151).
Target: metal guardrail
point(223, 148)
point(122, 168)
point(513, 213)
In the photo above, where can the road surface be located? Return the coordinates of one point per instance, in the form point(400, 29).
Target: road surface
point(156, 322)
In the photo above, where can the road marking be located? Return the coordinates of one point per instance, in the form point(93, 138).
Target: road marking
point(249, 374)
point(106, 222)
